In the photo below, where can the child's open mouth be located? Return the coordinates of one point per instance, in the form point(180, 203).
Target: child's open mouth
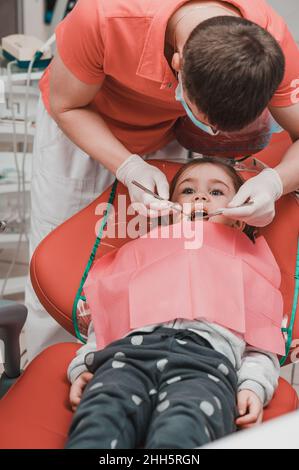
point(199, 214)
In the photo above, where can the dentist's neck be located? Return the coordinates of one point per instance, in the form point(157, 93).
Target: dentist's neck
point(190, 15)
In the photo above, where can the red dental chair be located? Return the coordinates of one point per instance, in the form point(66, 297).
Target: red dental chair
point(35, 412)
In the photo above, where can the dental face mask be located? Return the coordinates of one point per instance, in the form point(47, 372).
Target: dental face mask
point(235, 144)
point(196, 122)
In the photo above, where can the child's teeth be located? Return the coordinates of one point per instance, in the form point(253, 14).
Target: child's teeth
point(200, 214)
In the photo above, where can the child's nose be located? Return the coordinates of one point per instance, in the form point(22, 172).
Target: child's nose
point(201, 197)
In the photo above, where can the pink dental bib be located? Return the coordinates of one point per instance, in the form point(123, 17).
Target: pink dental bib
point(227, 280)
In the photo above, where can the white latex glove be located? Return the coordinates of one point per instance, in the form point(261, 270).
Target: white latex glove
point(135, 168)
point(263, 189)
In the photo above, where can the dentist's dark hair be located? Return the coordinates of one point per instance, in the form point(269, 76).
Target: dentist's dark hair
point(231, 69)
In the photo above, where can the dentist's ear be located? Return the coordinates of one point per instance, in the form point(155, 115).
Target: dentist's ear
point(176, 61)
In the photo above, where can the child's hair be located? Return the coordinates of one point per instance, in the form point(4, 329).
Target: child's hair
point(249, 230)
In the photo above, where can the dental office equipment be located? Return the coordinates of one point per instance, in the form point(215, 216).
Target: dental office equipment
point(22, 48)
point(32, 60)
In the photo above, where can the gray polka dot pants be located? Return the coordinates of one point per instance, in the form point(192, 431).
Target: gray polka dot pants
point(168, 389)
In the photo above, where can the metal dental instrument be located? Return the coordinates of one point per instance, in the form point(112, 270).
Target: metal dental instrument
point(203, 216)
point(219, 211)
point(148, 191)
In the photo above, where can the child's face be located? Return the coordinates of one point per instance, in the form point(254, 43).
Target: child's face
point(205, 187)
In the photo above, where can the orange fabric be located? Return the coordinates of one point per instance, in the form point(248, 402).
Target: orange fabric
point(35, 413)
point(120, 45)
point(285, 400)
point(282, 235)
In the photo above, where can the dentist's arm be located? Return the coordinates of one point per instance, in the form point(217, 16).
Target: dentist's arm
point(70, 104)
point(70, 107)
point(288, 168)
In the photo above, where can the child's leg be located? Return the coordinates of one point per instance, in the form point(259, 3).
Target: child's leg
point(111, 415)
point(197, 397)
point(116, 406)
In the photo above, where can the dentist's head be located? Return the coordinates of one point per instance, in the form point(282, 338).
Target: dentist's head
point(228, 70)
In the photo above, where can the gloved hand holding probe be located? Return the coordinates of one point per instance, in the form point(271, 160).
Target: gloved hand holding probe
point(135, 168)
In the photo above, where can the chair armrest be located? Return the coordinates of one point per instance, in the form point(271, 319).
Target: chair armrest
point(12, 319)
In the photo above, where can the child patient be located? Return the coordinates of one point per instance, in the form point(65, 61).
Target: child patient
point(180, 372)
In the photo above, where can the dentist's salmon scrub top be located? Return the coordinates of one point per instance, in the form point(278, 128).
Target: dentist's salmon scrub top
point(120, 44)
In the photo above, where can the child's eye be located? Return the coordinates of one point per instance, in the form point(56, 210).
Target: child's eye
point(188, 190)
point(217, 192)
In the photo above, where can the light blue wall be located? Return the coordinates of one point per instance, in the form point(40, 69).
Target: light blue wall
point(289, 9)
